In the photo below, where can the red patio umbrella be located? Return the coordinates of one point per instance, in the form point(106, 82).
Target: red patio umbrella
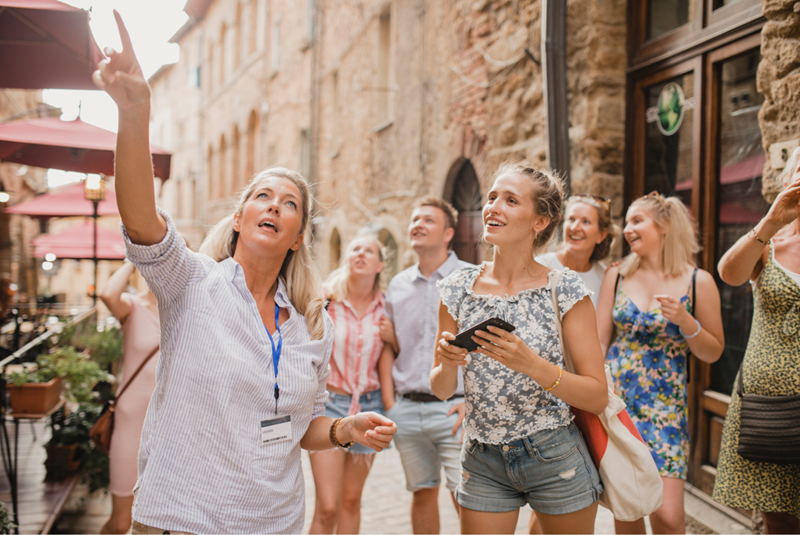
point(69, 145)
point(46, 44)
point(77, 243)
point(66, 202)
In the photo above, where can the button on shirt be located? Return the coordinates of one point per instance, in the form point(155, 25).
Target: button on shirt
point(202, 467)
point(412, 303)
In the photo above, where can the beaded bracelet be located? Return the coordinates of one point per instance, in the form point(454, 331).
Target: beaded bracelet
point(332, 435)
point(687, 336)
point(754, 236)
point(558, 381)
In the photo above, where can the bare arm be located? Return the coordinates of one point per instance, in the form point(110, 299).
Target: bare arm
point(746, 258)
point(385, 366)
point(605, 310)
point(112, 294)
point(446, 358)
point(121, 76)
point(367, 428)
point(710, 339)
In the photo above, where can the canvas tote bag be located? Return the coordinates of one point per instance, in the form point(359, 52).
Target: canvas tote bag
point(632, 484)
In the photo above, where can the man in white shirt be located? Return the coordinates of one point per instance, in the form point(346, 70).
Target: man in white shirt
point(427, 428)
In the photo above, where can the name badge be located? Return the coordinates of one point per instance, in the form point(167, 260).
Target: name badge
point(278, 429)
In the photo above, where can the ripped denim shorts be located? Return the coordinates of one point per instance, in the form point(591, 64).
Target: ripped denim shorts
point(551, 470)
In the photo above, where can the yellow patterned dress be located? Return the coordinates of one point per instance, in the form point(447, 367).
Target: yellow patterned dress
point(771, 368)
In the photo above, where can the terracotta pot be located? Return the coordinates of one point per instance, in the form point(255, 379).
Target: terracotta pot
point(61, 460)
point(35, 398)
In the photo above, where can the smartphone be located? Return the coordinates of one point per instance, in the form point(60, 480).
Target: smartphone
point(464, 338)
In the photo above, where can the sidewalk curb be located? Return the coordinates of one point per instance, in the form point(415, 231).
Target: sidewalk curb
point(714, 517)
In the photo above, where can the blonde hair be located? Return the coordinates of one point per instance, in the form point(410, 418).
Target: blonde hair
point(604, 223)
point(336, 283)
point(680, 245)
point(785, 177)
point(547, 196)
point(298, 271)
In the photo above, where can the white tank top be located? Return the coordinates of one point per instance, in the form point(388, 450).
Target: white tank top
point(794, 276)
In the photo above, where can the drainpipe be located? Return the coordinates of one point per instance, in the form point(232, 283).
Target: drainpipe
point(554, 82)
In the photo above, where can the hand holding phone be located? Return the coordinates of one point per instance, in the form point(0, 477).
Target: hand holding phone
point(464, 338)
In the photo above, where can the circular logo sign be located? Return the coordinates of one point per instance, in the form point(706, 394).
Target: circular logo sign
point(670, 109)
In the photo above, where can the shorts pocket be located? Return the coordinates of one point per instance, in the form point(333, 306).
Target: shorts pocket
point(557, 447)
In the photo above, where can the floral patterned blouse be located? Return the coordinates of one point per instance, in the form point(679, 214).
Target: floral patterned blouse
point(504, 405)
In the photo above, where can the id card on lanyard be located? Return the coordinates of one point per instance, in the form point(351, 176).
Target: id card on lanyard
point(278, 429)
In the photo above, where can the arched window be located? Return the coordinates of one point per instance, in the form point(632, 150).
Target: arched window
point(391, 264)
point(223, 35)
point(237, 37)
point(463, 190)
point(335, 250)
point(222, 178)
point(236, 155)
point(250, 158)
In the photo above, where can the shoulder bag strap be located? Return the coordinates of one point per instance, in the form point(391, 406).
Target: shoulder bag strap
point(127, 384)
point(694, 289)
point(739, 387)
point(616, 285)
point(554, 280)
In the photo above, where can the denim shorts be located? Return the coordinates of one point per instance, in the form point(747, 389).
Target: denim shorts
point(551, 470)
point(338, 405)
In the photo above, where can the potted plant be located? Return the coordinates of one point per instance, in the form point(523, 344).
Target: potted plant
point(69, 445)
point(6, 525)
point(34, 391)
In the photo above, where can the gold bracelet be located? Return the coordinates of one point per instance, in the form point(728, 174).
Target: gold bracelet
point(753, 235)
point(558, 381)
point(332, 435)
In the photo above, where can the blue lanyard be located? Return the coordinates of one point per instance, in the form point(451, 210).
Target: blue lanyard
point(276, 354)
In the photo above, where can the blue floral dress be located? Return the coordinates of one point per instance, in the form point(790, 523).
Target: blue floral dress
point(648, 363)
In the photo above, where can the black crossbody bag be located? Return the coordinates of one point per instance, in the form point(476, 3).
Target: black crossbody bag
point(770, 427)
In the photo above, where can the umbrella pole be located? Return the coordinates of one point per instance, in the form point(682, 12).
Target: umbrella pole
point(94, 253)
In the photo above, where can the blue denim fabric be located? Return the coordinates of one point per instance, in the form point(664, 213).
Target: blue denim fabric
point(338, 405)
point(551, 470)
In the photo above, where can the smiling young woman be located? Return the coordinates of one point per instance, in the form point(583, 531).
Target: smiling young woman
point(245, 344)
point(655, 310)
point(529, 435)
point(588, 237)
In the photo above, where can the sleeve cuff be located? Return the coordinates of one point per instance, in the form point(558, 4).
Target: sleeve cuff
point(149, 254)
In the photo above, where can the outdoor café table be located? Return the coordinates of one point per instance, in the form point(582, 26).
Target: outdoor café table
point(10, 455)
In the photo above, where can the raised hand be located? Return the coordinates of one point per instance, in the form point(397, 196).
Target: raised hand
point(372, 430)
point(673, 310)
point(786, 207)
point(120, 74)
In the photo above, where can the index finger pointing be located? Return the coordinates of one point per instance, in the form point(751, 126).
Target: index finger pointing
point(124, 36)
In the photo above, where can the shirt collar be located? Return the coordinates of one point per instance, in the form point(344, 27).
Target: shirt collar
point(232, 269)
point(447, 267)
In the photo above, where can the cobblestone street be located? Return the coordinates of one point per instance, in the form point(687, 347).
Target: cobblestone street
point(386, 502)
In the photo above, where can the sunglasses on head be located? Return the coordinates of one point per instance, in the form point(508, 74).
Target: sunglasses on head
point(603, 200)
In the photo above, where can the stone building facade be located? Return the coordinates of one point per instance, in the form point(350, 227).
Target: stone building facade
point(380, 102)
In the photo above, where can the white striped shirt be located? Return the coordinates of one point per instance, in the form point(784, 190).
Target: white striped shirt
point(202, 467)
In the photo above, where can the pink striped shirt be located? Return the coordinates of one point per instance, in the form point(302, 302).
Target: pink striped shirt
point(357, 348)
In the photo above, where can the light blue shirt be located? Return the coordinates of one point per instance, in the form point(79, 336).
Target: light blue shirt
point(202, 467)
point(412, 303)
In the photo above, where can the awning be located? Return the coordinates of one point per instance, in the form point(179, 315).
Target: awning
point(66, 202)
point(77, 243)
point(46, 44)
point(747, 169)
point(68, 145)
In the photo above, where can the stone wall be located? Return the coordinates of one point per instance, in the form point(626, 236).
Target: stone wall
point(779, 81)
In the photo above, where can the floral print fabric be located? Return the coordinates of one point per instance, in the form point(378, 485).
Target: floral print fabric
point(648, 363)
point(504, 405)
